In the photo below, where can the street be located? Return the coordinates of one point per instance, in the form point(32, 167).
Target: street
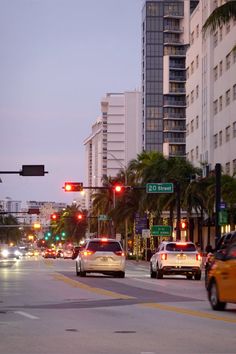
point(46, 308)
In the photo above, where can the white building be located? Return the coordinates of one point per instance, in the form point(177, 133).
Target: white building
point(10, 206)
point(211, 92)
point(115, 138)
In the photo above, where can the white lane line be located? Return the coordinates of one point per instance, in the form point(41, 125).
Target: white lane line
point(28, 315)
point(150, 282)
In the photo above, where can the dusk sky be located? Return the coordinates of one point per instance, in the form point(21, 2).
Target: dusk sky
point(58, 58)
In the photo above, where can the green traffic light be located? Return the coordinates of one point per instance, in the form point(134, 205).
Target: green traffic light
point(46, 238)
point(49, 234)
point(63, 233)
point(57, 238)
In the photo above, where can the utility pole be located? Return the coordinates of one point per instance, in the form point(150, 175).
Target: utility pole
point(217, 201)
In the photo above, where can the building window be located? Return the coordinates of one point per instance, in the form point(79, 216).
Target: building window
point(197, 61)
point(192, 96)
point(215, 140)
point(220, 137)
point(227, 97)
point(221, 68)
point(192, 67)
point(215, 72)
point(187, 73)
point(215, 39)
point(234, 92)
point(197, 31)
point(227, 168)
point(187, 129)
point(234, 129)
point(220, 103)
point(234, 166)
point(227, 63)
point(234, 56)
point(192, 38)
point(227, 133)
point(187, 101)
point(196, 152)
point(197, 91)
point(192, 126)
point(197, 122)
point(192, 155)
point(215, 107)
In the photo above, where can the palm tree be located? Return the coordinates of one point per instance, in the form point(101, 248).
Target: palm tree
point(220, 16)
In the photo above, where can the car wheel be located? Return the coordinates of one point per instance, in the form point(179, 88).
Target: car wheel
point(189, 276)
point(120, 274)
point(197, 276)
point(152, 273)
point(77, 271)
point(213, 295)
point(81, 273)
point(159, 274)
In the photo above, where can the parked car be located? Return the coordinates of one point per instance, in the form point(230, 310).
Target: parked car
point(181, 258)
point(50, 253)
point(221, 284)
point(101, 255)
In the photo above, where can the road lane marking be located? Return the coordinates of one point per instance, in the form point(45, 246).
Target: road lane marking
point(83, 286)
point(28, 315)
point(184, 311)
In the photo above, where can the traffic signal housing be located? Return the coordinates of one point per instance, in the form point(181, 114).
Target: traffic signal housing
point(118, 188)
point(73, 186)
point(183, 225)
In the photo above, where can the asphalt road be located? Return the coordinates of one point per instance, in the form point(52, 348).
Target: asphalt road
point(45, 308)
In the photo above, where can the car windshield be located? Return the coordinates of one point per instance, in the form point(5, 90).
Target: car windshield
point(104, 246)
point(180, 247)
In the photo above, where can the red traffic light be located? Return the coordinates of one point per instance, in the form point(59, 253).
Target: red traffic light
point(183, 225)
point(54, 216)
point(79, 216)
point(118, 188)
point(73, 186)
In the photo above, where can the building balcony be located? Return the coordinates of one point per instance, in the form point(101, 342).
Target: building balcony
point(177, 90)
point(173, 29)
point(174, 129)
point(173, 41)
point(174, 103)
point(175, 140)
point(173, 14)
point(177, 78)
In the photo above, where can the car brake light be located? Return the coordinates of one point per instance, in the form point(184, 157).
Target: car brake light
point(87, 253)
point(119, 253)
point(198, 257)
point(104, 239)
point(181, 243)
point(164, 256)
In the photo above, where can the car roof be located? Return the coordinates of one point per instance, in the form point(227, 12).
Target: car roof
point(103, 239)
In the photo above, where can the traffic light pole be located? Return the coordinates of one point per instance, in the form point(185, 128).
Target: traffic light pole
point(178, 211)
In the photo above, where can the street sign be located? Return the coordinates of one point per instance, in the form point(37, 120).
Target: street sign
point(140, 223)
point(161, 230)
point(145, 233)
point(223, 205)
point(223, 217)
point(159, 188)
point(103, 217)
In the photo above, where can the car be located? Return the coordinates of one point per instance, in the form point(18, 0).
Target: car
point(50, 253)
point(225, 240)
point(11, 253)
point(76, 251)
point(67, 253)
point(221, 286)
point(177, 258)
point(101, 255)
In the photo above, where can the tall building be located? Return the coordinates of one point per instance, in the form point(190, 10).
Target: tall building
point(165, 37)
point(115, 138)
point(10, 206)
point(211, 92)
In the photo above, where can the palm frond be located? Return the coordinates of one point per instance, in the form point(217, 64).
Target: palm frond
point(220, 16)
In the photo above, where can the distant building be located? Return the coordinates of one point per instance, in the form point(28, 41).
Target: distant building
point(165, 37)
point(211, 93)
point(10, 206)
point(115, 138)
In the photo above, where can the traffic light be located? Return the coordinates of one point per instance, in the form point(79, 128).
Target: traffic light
point(57, 238)
point(118, 188)
point(63, 234)
point(73, 186)
point(79, 216)
point(183, 225)
point(54, 217)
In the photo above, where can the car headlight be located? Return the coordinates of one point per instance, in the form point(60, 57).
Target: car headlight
point(5, 253)
point(17, 253)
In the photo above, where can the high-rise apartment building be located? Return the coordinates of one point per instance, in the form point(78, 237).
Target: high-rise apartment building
point(115, 138)
point(211, 92)
point(165, 37)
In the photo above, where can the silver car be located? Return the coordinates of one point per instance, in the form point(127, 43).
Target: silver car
point(101, 255)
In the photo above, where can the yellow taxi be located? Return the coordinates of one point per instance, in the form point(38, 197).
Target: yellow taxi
point(221, 285)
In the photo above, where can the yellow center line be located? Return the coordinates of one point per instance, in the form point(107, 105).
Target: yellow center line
point(184, 311)
point(77, 284)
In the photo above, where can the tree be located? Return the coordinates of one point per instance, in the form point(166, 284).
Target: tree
point(220, 16)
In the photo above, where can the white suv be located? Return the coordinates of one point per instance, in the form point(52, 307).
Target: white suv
point(101, 255)
point(176, 258)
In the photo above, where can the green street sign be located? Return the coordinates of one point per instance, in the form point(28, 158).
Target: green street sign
point(103, 217)
point(159, 187)
point(161, 230)
point(223, 217)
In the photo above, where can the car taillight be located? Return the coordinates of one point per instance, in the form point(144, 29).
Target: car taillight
point(198, 257)
point(164, 256)
point(119, 253)
point(87, 253)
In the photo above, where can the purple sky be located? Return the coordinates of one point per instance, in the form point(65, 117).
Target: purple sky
point(58, 58)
